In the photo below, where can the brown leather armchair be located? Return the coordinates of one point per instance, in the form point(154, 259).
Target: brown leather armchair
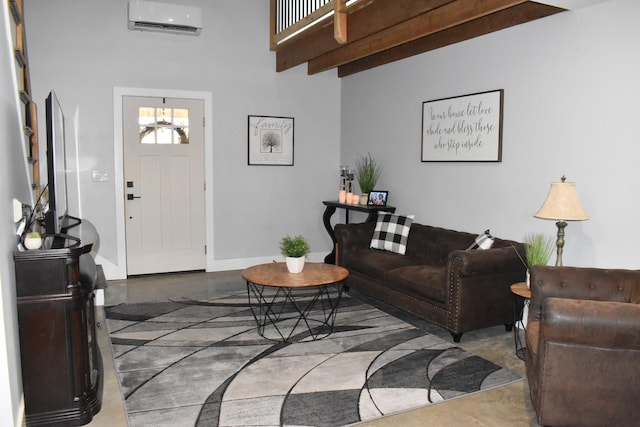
point(583, 346)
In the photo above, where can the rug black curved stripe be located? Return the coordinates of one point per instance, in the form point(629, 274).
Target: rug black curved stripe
point(463, 376)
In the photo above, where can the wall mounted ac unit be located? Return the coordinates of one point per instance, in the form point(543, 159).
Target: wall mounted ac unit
point(164, 17)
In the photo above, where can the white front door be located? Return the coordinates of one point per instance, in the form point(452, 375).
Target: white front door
point(164, 184)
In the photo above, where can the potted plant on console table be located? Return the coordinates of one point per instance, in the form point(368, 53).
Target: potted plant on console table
point(294, 250)
point(367, 173)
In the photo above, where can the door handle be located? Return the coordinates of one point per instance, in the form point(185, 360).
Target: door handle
point(131, 197)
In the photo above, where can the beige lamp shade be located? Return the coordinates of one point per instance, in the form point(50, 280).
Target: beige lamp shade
point(562, 203)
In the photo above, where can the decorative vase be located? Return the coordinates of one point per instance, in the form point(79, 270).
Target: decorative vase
point(32, 242)
point(364, 198)
point(295, 264)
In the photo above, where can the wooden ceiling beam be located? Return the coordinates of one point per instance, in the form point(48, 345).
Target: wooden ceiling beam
point(506, 18)
point(442, 18)
point(362, 21)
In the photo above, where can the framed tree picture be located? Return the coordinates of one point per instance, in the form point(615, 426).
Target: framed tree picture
point(270, 140)
point(464, 128)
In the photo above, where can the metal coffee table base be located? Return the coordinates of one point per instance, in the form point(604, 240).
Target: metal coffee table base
point(284, 312)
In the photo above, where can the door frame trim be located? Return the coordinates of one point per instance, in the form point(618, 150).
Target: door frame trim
point(119, 270)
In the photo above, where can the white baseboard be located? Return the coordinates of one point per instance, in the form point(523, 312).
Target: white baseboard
point(114, 272)
point(242, 263)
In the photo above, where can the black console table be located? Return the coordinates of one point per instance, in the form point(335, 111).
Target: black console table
point(61, 363)
point(330, 209)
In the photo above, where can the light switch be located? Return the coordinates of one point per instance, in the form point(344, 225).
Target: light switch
point(99, 176)
point(17, 210)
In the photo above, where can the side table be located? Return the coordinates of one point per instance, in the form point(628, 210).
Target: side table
point(331, 209)
point(521, 293)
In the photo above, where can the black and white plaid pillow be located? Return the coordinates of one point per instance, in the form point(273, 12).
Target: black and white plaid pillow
point(391, 232)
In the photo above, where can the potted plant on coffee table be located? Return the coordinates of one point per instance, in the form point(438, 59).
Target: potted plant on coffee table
point(294, 250)
point(367, 173)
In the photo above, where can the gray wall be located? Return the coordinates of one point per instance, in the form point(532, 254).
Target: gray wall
point(83, 49)
point(571, 92)
point(15, 184)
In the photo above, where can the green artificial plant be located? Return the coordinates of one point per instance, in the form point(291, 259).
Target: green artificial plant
point(294, 247)
point(538, 249)
point(367, 172)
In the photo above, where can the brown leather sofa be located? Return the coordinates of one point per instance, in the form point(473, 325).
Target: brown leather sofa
point(583, 346)
point(437, 279)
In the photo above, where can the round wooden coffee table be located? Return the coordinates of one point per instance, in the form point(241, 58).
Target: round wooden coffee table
point(292, 307)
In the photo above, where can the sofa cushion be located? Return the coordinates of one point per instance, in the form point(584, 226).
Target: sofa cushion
point(391, 232)
point(375, 263)
point(420, 281)
point(432, 245)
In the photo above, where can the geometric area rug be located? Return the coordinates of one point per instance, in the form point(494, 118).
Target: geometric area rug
point(202, 363)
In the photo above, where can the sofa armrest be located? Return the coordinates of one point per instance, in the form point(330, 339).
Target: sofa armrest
point(484, 262)
point(351, 237)
point(604, 324)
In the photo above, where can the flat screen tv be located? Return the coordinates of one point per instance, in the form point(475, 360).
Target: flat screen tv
point(56, 210)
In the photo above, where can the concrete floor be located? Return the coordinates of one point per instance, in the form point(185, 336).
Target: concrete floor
point(509, 405)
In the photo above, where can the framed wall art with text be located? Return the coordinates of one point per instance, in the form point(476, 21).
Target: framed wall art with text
point(465, 128)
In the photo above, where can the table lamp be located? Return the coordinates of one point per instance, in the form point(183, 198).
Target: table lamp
point(562, 204)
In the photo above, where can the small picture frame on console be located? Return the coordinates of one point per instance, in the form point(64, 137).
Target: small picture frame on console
point(377, 198)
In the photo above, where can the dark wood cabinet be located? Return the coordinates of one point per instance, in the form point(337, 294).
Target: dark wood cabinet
point(61, 362)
